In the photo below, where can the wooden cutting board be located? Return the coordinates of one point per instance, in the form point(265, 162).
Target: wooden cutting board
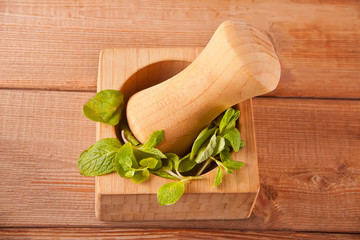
point(116, 199)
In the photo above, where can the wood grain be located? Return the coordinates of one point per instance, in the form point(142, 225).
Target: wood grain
point(55, 46)
point(308, 162)
point(180, 234)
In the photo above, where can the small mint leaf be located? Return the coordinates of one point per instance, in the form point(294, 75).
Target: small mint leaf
point(225, 154)
point(140, 176)
point(186, 164)
point(129, 173)
point(154, 152)
point(206, 150)
point(149, 162)
point(174, 159)
point(170, 193)
point(229, 119)
point(155, 139)
point(219, 176)
point(220, 145)
point(233, 165)
point(167, 166)
point(105, 107)
point(201, 138)
point(233, 136)
point(125, 160)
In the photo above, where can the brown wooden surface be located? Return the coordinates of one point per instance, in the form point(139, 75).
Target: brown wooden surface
point(309, 156)
point(175, 234)
point(56, 46)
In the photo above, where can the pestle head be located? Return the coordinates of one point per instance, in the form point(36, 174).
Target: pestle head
point(238, 63)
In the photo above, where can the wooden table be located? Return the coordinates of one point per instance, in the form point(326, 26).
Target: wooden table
point(308, 129)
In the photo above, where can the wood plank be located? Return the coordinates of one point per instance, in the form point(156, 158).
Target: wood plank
point(111, 233)
point(308, 162)
point(56, 46)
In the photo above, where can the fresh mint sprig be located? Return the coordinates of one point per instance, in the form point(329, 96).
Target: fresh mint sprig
point(135, 161)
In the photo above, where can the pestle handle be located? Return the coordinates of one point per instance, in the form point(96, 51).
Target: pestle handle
point(238, 63)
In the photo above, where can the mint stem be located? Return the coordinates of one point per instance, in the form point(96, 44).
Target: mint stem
point(173, 174)
point(123, 136)
point(178, 173)
point(204, 166)
point(218, 162)
point(185, 179)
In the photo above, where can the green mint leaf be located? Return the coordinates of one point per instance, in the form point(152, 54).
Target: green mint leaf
point(130, 173)
point(125, 160)
point(154, 152)
point(206, 150)
point(99, 158)
point(229, 119)
point(233, 165)
point(170, 193)
point(233, 136)
point(140, 176)
point(172, 157)
point(105, 107)
point(167, 166)
point(219, 176)
point(140, 154)
point(149, 162)
point(220, 145)
point(155, 139)
point(201, 138)
point(121, 164)
point(186, 164)
point(131, 138)
point(225, 154)
point(158, 165)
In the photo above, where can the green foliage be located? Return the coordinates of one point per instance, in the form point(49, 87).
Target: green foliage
point(155, 139)
point(170, 193)
point(206, 150)
point(105, 107)
point(233, 136)
point(149, 162)
point(229, 119)
point(140, 176)
point(135, 161)
point(219, 176)
point(98, 159)
point(186, 164)
point(204, 135)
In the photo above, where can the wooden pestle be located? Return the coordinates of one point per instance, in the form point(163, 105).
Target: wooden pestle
point(238, 63)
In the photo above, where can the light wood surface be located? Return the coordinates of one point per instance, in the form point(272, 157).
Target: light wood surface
point(238, 63)
point(181, 234)
point(56, 46)
point(117, 199)
point(305, 184)
point(308, 149)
